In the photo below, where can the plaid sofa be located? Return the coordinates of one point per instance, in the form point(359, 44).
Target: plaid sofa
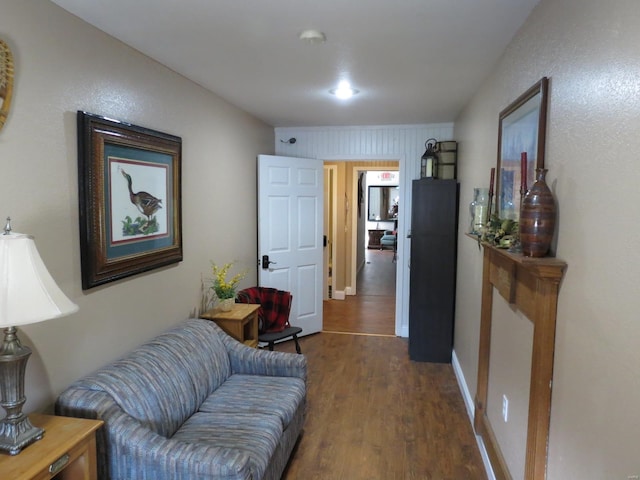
point(193, 403)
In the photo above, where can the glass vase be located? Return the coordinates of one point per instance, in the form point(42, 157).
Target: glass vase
point(479, 208)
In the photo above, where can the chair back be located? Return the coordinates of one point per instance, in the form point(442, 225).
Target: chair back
point(275, 306)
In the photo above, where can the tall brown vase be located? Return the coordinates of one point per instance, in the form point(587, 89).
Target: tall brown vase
point(537, 218)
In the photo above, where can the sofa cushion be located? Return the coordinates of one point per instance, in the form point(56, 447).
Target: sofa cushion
point(163, 382)
point(243, 436)
point(256, 394)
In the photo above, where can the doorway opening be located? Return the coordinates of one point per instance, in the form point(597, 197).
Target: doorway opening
point(361, 274)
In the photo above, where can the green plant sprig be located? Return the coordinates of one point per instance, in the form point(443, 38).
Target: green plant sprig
point(500, 232)
point(221, 286)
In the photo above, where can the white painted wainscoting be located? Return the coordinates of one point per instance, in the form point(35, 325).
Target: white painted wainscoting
point(404, 143)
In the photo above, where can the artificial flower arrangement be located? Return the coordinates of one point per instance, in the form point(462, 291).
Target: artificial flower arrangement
point(221, 286)
point(500, 232)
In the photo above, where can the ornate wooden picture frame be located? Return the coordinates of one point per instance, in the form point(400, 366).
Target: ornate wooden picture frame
point(6, 81)
point(130, 199)
point(521, 130)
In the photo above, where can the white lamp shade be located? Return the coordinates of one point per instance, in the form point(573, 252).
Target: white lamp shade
point(28, 293)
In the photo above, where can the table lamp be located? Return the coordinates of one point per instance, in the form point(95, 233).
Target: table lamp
point(28, 294)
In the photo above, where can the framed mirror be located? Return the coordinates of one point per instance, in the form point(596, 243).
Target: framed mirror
point(6, 81)
point(383, 203)
point(521, 141)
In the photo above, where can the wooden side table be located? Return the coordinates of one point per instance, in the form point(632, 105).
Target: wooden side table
point(241, 322)
point(66, 452)
point(374, 238)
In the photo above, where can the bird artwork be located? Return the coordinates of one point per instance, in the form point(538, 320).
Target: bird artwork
point(146, 204)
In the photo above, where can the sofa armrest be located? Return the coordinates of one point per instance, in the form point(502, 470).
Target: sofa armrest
point(149, 456)
point(128, 449)
point(252, 361)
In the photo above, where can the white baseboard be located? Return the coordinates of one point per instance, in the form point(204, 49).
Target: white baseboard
point(339, 295)
point(349, 291)
point(469, 404)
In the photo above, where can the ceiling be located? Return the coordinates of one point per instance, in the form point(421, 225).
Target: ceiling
point(413, 61)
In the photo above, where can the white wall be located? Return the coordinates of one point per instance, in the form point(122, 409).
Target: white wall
point(405, 143)
point(589, 50)
point(64, 65)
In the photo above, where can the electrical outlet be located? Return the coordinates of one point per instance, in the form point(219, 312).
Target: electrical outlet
point(505, 408)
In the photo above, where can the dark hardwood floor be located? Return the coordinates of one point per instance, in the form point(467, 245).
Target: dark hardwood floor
point(372, 310)
point(373, 414)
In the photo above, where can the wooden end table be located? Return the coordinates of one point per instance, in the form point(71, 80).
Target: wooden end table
point(240, 323)
point(67, 451)
point(374, 238)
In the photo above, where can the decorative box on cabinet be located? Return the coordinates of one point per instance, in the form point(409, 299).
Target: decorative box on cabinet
point(447, 159)
point(434, 222)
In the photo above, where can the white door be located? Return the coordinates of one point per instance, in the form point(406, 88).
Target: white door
point(290, 234)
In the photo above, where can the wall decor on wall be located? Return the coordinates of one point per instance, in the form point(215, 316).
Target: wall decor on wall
point(6, 81)
point(383, 203)
point(129, 180)
point(521, 141)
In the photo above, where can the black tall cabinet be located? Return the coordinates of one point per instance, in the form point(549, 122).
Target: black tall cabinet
point(434, 228)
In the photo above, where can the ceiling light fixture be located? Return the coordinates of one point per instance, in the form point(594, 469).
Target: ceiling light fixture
point(313, 36)
point(344, 90)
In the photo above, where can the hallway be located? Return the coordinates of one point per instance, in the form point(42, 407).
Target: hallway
point(373, 414)
point(372, 310)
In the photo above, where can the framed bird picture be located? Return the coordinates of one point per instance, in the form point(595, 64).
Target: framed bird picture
point(130, 199)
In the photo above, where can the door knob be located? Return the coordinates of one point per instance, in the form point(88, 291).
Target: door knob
point(266, 262)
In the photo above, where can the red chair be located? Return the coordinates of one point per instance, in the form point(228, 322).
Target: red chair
point(273, 315)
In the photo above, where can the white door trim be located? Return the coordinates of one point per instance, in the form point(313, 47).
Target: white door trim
point(402, 272)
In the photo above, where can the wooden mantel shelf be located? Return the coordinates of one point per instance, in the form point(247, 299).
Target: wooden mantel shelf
point(545, 266)
point(532, 286)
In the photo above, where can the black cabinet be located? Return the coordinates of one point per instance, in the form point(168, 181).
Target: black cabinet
point(434, 226)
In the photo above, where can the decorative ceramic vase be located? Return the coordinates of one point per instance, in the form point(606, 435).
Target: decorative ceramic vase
point(479, 209)
point(226, 304)
point(537, 218)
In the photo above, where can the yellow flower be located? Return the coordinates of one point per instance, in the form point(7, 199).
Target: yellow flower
point(225, 288)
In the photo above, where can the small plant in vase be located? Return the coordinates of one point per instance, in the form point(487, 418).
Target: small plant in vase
point(225, 289)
